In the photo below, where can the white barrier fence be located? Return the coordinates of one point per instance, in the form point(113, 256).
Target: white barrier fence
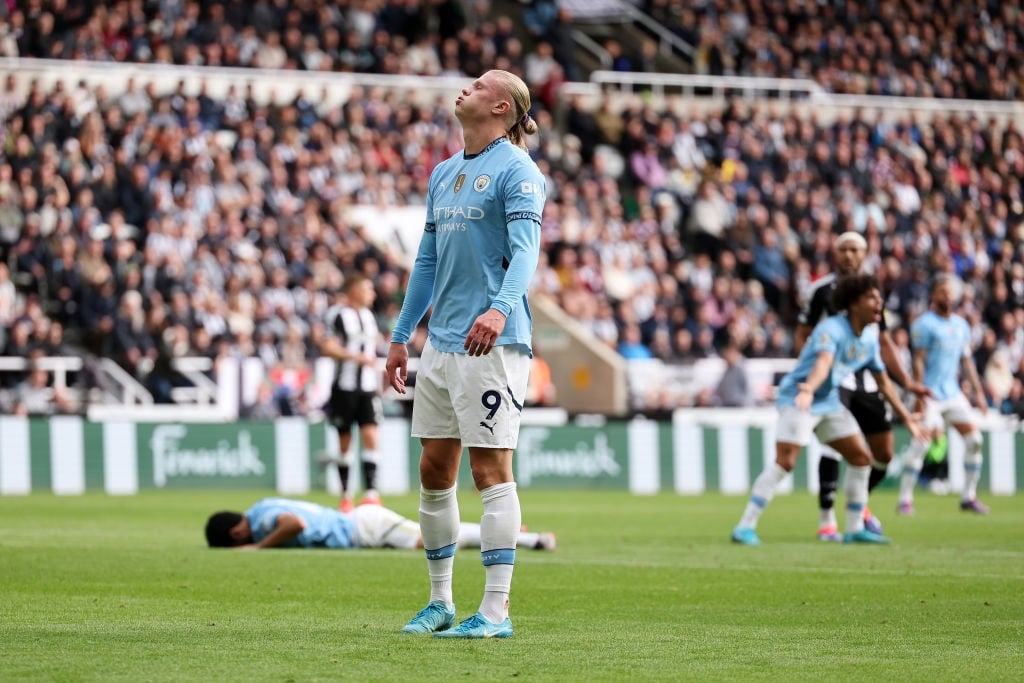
point(698, 451)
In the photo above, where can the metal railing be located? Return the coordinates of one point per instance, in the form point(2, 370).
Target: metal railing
point(662, 85)
point(667, 40)
point(203, 390)
point(267, 85)
point(331, 89)
point(587, 43)
point(688, 84)
point(58, 366)
point(131, 390)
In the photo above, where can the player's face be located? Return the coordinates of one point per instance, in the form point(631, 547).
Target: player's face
point(478, 99)
point(943, 298)
point(868, 308)
point(363, 294)
point(849, 257)
point(241, 533)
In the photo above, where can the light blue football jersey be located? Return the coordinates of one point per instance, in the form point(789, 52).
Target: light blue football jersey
point(480, 247)
point(850, 353)
point(325, 528)
point(947, 341)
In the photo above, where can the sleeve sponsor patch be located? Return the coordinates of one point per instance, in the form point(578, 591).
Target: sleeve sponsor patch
point(522, 215)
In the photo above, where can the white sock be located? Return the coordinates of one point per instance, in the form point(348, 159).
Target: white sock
point(828, 518)
point(439, 525)
point(856, 491)
point(762, 493)
point(972, 465)
point(912, 462)
point(499, 530)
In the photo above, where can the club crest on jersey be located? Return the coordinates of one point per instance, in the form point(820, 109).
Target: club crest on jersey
point(481, 183)
point(459, 182)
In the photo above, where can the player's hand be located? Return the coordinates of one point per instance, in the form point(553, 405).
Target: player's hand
point(484, 333)
point(804, 398)
point(247, 546)
point(398, 361)
point(368, 361)
point(916, 430)
point(919, 389)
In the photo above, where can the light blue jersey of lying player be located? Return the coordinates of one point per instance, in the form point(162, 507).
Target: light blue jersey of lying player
point(850, 353)
point(947, 341)
point(325, 528)
point(480, 247)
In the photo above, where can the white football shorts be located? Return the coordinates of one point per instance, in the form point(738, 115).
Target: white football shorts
point(796, 425)
point(379, 527)
point(952, 411)
point(478, 399)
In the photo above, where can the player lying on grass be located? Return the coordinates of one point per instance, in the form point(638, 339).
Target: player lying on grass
point(808, 400)
point(286, 523)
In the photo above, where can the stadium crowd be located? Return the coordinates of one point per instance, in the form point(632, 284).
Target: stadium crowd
point(148, 225)
point(892, 47)
point(916, 48)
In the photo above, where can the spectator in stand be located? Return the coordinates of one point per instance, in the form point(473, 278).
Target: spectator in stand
point(132, 346)
point(35, 395)
point(631, 347)
point(772, 269)
point(733, 389)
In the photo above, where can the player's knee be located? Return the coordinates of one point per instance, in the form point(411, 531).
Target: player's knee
point(972, 444)
point(786, 458)
point(854, 454)
point(882, 455)
point(859, 459)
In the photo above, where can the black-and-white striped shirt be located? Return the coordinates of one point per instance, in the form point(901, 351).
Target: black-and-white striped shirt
point(356, 330)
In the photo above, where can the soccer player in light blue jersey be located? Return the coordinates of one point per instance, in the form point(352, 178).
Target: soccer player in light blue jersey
point(480, 247)
point(858, 391)
point(808, 401)
point(942, 349)
point(287, 523)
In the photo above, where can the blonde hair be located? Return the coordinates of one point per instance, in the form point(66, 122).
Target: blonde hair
point(519, 123)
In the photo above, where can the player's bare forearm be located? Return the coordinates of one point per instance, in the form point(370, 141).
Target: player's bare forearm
point(888, 390)
point(919, 357)
point(818, 373)
point(891, 358)
point(287, 527)
point(334, 349)
point(971, 372)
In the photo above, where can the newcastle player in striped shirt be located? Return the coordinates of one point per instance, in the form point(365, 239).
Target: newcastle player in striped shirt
point(351, 339)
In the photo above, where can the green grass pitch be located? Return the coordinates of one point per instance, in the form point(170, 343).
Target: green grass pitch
point(97, 588)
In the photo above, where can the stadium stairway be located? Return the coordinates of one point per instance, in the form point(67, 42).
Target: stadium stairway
point(593, 23)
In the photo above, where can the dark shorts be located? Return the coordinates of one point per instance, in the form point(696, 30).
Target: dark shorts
point(869, 409)
point(348, 408)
